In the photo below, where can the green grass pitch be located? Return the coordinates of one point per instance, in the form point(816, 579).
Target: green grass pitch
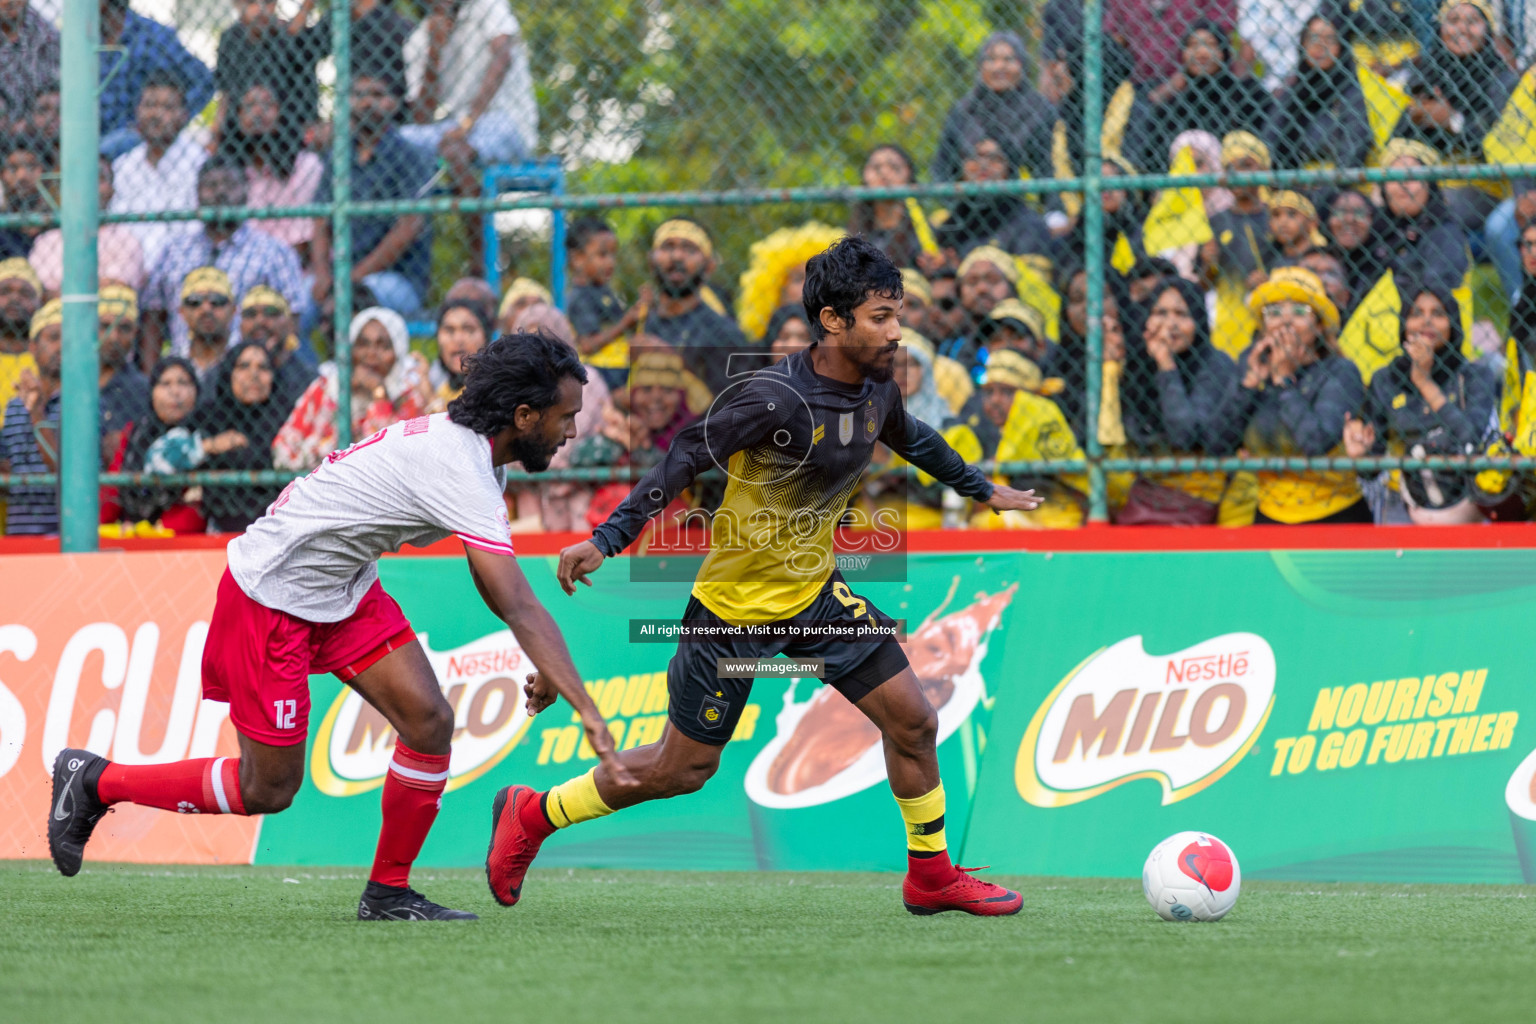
point(280, 946)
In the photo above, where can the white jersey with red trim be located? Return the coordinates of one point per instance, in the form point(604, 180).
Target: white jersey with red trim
point(315, 553)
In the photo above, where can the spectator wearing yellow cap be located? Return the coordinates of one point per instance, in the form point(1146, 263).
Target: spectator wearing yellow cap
point(20, 295)
point(246, 255)
point(1293, 225)
point(29, 434)
point(208, 310)
point(1295, 396)
point(1014, 326)
point(916, 300)
point(986, 276)
point(1241, 253)
point(1418, 228)
point(1007, 375)
point(266, 317)
point(124, 390)
point(521, 293)
point(1019, 421)
point(682, 258)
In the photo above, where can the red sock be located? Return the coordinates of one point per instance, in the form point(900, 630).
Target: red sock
point(413, 791)
point(535, 822)
point(932, 872)
point(209, 785)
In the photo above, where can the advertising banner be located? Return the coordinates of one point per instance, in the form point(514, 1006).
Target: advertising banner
point(802, 784)
point(1330, 715)
point(104, 652)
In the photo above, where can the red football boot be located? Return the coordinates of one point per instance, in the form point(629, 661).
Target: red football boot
point(513, 844)
point(971, 895)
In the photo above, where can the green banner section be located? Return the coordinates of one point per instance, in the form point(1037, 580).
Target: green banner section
point(1329, 715)
point(802, 786)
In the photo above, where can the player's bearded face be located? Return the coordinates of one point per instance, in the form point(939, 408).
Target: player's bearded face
point(534, 451)
point(556, 425)
point(872, 341)
point(680, 268)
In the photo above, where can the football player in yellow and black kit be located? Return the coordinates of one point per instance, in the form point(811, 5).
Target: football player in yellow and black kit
point(794, 439)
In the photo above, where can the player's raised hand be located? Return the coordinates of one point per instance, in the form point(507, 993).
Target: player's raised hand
point(576, 562)
point(1004, 498)
point(601, 741)
point(541, 693)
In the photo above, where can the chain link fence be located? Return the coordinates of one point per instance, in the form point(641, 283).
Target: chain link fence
point(1284, 284)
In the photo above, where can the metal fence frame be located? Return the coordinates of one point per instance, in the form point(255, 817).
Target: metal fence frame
point(80, 477)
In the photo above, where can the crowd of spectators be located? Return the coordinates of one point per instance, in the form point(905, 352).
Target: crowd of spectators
point(1236, 320)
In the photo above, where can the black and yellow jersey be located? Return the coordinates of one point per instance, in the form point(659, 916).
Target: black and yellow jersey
point(794, 445)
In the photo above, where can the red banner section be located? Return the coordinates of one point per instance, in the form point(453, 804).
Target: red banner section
point(104, 651)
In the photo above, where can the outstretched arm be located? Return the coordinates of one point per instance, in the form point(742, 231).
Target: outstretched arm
point(925, 448)
point(507, 594)
point(749, 417)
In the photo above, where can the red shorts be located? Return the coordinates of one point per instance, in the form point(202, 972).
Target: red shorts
point(260, 660)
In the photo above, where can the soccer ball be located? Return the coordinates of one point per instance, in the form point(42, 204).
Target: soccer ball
point(1191, 876)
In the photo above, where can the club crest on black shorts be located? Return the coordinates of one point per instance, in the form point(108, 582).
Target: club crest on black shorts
point(712, 713)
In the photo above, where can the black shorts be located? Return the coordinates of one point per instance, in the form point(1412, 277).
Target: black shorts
point(705, 707)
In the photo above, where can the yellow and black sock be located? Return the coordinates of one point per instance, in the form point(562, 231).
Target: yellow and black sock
point(575, 801)
point(927, 854)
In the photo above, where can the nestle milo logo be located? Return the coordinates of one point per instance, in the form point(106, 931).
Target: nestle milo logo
point(1206, 667)
point(1183, 719)
point(482, 681)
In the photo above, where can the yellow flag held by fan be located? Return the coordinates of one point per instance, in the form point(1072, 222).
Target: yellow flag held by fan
point(924, 231)
point(1513, 138)
point(1384, 103)
point(1036, 429)
point(1178, 216)
point(1373, 336)
point(1122, 257)
point(1034, 289)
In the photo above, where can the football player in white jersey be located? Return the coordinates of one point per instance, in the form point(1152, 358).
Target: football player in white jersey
point(301, 596)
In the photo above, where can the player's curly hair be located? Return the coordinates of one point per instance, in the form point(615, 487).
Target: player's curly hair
point(844, 277)
point(516, 369)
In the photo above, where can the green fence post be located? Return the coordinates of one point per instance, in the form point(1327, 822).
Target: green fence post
point(80, 130)
point(341, 224)
point(1093, 241)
